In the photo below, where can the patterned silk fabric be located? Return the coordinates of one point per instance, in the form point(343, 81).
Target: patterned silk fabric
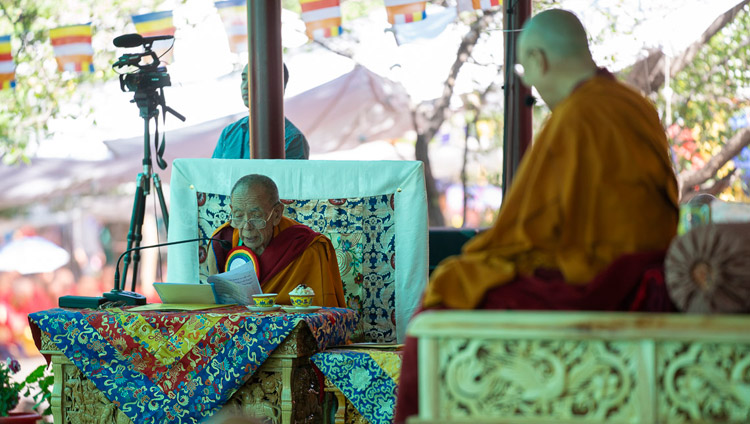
point(367, 377)
point(363, 233)
point(178, 366)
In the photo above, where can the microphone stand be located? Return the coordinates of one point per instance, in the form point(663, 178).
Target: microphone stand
point(117, 294)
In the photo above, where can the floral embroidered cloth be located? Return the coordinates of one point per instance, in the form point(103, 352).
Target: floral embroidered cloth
point(178, 366)
point(367, 377)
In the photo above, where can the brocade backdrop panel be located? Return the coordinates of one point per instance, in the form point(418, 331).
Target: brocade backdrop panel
point(362, 231)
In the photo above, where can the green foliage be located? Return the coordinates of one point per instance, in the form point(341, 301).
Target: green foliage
point(9, 389)
point(292, 5)
point(37, 385)
point(41, 89)
point(712, 88)
point(354, 9)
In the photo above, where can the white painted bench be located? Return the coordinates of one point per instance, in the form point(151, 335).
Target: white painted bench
point(582, 367)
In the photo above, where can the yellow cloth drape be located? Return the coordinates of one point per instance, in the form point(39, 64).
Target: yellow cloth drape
point(597, 183)
point(316, 267)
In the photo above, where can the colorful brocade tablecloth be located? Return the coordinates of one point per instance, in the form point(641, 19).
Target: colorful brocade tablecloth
point(367, 377)
point(178, 366)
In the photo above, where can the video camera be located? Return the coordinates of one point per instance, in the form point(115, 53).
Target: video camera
point(145, 77)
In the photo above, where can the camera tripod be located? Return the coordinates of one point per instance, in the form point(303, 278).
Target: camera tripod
point(148, 101)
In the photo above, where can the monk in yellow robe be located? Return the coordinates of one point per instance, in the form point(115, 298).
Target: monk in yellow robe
point(596, 184)
point(596, 187)
point(288, 252)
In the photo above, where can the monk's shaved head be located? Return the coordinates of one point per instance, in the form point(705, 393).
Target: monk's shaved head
point(559, 33)
point(267, 187)
point(553, 54)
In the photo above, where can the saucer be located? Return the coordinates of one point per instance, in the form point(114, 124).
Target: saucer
point(299, 309)
point(263, 308)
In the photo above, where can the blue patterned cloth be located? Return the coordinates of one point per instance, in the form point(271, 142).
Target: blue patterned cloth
point(368, 378)
point(159, 367)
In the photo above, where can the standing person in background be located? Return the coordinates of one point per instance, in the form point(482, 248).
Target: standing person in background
point(234, 140)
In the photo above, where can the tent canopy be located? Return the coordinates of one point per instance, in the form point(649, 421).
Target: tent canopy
point(355, 108)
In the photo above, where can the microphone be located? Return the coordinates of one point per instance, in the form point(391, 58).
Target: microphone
point(128, 40)
point(119, 295)
point(135, 40)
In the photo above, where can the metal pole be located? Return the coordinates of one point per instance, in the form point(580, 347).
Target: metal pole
point(265, 79)
point(517, 128)
point(525, 114)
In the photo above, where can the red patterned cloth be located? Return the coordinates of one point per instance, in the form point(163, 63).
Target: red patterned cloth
point(177, 366)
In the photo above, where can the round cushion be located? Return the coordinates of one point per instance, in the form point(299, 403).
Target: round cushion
point(707, 270)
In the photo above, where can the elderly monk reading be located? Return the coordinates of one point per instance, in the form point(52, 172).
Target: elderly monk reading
point(288, 252)
point(592, 207)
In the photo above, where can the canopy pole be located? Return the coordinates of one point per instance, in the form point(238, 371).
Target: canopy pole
point(517, 119)
point(265, 76)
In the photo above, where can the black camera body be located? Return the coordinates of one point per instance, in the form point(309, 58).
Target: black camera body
point(140, 73)
point(145, 80)
point(148, 77)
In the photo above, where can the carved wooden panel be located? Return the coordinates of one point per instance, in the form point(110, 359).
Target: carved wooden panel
point(576, 367)
point(81, 400)
point(703, 382)
point(539, 378)
point(260, 397)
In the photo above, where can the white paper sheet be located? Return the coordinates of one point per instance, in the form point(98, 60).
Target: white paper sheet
point(238, 285)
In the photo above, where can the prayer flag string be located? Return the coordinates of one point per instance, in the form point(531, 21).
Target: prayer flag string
point(72, 47)
point(234, 16)
point(322, 18)
point(7, 66)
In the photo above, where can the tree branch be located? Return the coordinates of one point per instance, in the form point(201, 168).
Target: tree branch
point(464, 52)
point(714, 190)
point(440, 112)
point(647, 74)
point(689, 179)
point(346, 54)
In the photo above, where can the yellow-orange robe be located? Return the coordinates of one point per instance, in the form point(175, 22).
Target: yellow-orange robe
point(596, 184)
point(315, 267)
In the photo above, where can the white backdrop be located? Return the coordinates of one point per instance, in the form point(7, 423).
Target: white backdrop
point(311, 180)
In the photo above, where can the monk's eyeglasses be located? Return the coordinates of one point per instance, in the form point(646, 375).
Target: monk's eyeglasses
point(256, 223)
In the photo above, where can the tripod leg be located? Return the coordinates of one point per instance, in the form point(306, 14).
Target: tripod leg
point(134, 233)
point(162, 203)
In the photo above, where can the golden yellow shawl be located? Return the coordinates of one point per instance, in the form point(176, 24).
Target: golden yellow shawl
point(596, 184)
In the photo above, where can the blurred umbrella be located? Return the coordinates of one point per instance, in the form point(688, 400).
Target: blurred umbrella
point(30, 255)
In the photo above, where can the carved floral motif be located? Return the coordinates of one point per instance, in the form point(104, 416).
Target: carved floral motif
point(595, 380)
point(533, 378)
point(703, 382)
